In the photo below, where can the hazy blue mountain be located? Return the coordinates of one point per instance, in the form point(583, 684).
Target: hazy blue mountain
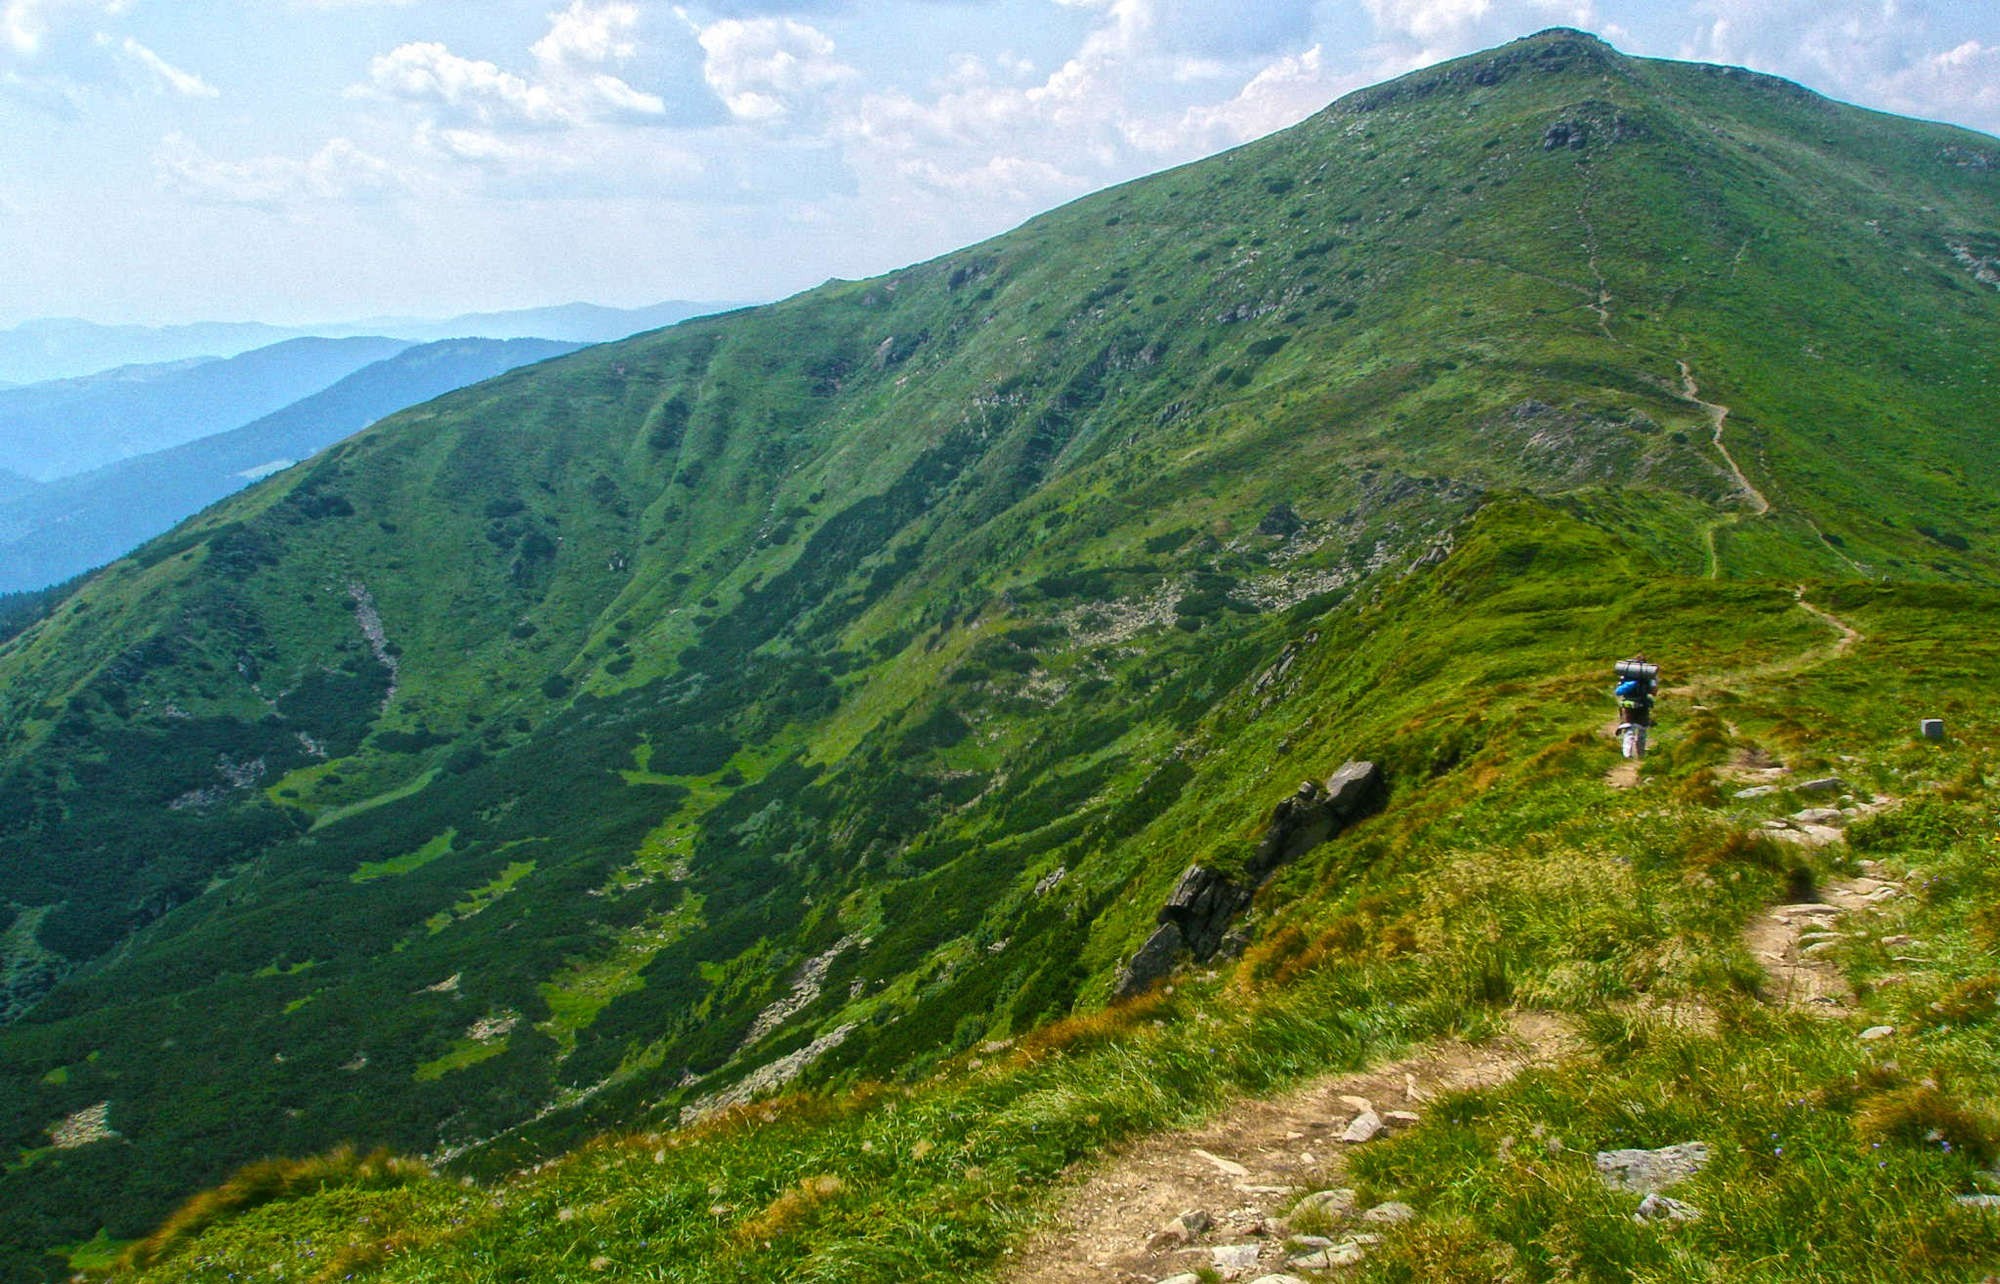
point(63, 348)
point(50, 533)
point(56, 429)
point(575, 322)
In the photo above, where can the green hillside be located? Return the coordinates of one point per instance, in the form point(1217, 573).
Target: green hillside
point(844, 683)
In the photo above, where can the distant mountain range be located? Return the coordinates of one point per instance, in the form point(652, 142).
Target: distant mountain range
point(51, 532)
point(69, 426)
point(61, 348)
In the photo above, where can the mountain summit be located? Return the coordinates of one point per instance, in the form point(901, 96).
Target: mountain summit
point(822, 691)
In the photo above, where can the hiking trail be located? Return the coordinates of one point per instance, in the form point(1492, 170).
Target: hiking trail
point(1718, 417)
point(1247, 1166)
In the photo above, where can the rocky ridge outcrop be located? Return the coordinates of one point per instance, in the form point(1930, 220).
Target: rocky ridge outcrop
point(1195, 921)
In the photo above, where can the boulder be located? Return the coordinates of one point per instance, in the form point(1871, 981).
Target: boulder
point(1154, 960)
point(1646, 1172)
point(1660, 1208)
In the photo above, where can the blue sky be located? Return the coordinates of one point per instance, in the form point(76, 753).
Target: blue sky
point(314, 160)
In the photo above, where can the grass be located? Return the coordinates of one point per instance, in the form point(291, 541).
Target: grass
point(1131, 528)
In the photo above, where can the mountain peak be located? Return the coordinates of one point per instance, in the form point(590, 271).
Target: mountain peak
point(1554, 51)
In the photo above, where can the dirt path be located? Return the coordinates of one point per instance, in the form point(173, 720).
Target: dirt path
point(1846, 639)
point(1792, 942)
point(1718, 417)
point(1249, 1165)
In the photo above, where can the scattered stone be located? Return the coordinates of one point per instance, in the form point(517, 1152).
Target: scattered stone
point(1228, 1167)
point(1874, 1032)
point(90, 1124)
point(1181, 1231)
point(1820, 816)
point(1185, 1277)
point(1400, 1119)
point(1346, 1253)
point(1234, 1260)
point(1899, 939)
point(1334, 1204)
point(1277, 1279)
point(1808, 909)
point(1197, 1221)
point(1392, 1213)
point(1824, 785)
point(1357, 1104)
point(1660, 1208)
point(1991, 1203)
point(1644, 1172)
point(1818, 948)
point(1757, 791)
point(1366, 1127)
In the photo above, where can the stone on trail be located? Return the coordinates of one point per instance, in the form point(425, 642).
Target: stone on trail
point(1645, 1172)
point(1392, 1213)
point(1366, 1127)
point(1400, 1119)
point(1345, 1253)
point(1824, 785)
point(1334, 1204)
point(1277, 1279)
point(1227, 1167)
point(1874, 1032)
point(1757, 791)
point(1232, 1261)
point(1660, 1208)
point(1185, 1277)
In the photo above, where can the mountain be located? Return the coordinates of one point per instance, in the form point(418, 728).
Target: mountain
point(65, 348)
point(13, 486)
point(51, 533)
point(57, 429)
point(837, 692)
point(571, 322)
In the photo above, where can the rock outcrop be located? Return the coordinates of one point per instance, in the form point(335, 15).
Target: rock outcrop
point(1195, 919)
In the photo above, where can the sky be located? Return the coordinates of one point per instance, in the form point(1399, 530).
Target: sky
point(296, 161)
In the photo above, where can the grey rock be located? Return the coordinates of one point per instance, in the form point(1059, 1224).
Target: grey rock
point(1931, 728)
point(1346, 1253)
point(1365, 1126)
point(1824, 785)
point(1392, 1213)
point(1197, 1221)
point(1328, 1203)
point(1277, 1279)
point(1757, 791)
point(1234, 1260)
point(1991, 1203)
point(1875, 1032)
point(1154, 960)
point(1660, 1208)
point(1398, 1120)
point(1821, 816)
point(1185, 1277)
point(1644, 1172)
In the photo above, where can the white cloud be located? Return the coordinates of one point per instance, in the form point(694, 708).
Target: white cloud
point(1280, 94)
point(185, 83)
point(1427, 19)
point(568, 89)
point(25, 25)
point(1963, 81)
point(763, 68)
point(337, 171)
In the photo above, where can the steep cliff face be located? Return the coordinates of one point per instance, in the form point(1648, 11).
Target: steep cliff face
point(489, 779)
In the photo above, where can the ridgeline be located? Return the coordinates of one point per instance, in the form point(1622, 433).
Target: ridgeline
point(828, 694)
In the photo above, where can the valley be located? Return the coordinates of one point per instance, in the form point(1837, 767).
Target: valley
point(681, 810)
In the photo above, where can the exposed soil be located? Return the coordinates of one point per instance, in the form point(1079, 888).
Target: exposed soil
point(1247, 1167)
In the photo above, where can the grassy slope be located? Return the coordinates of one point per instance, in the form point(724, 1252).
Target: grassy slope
point(1035, 471)
point(1511, 878)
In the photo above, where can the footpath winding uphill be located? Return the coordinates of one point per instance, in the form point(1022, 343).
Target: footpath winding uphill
point(1217, 1197)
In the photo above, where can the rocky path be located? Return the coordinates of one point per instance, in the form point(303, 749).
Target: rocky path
point(1718, 417)
point(1237, 1176)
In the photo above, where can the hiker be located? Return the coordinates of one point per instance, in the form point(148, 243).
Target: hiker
point(1637, 682)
